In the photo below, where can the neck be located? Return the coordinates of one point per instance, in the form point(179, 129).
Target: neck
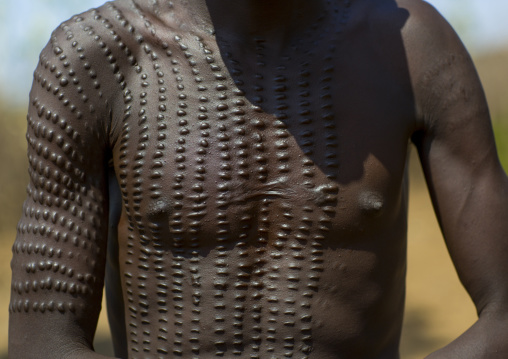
point(245, 18)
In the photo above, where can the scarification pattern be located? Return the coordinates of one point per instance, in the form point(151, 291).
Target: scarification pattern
point(58, 249)
point(228, 182)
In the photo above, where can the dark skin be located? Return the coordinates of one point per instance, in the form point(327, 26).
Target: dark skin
point(251, 156)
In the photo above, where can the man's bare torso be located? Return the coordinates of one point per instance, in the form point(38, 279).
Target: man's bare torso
point(262, 191)
point(236, 171)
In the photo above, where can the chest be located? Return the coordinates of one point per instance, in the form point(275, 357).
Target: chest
point(206, 139)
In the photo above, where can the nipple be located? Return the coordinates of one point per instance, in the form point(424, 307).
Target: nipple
point(371, 203)
point(159, 210)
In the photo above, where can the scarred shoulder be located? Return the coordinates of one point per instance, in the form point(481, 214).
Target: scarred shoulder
point(93, 54)
point(80, 77)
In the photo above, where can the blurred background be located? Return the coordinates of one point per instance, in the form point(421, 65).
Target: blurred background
point(438, 309)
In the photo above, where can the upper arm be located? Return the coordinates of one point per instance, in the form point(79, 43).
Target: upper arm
point(454, 138)
point(60, 250)
point(458, 154)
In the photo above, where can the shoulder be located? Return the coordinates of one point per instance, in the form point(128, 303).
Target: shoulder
point(414, 9)
point(92, 54)
point(438, 65)
point(405, 15)
point(79, 74)
point(414, 23)
point(79, 44)
point(442, 72)
point(111, 37)
point(429, 41)
point(426, 27)
point(95, 31)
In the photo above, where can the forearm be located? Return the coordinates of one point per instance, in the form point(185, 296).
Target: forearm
point(479, 248)
point(486, 339)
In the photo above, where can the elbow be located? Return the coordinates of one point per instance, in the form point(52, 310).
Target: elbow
point(36, 336)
